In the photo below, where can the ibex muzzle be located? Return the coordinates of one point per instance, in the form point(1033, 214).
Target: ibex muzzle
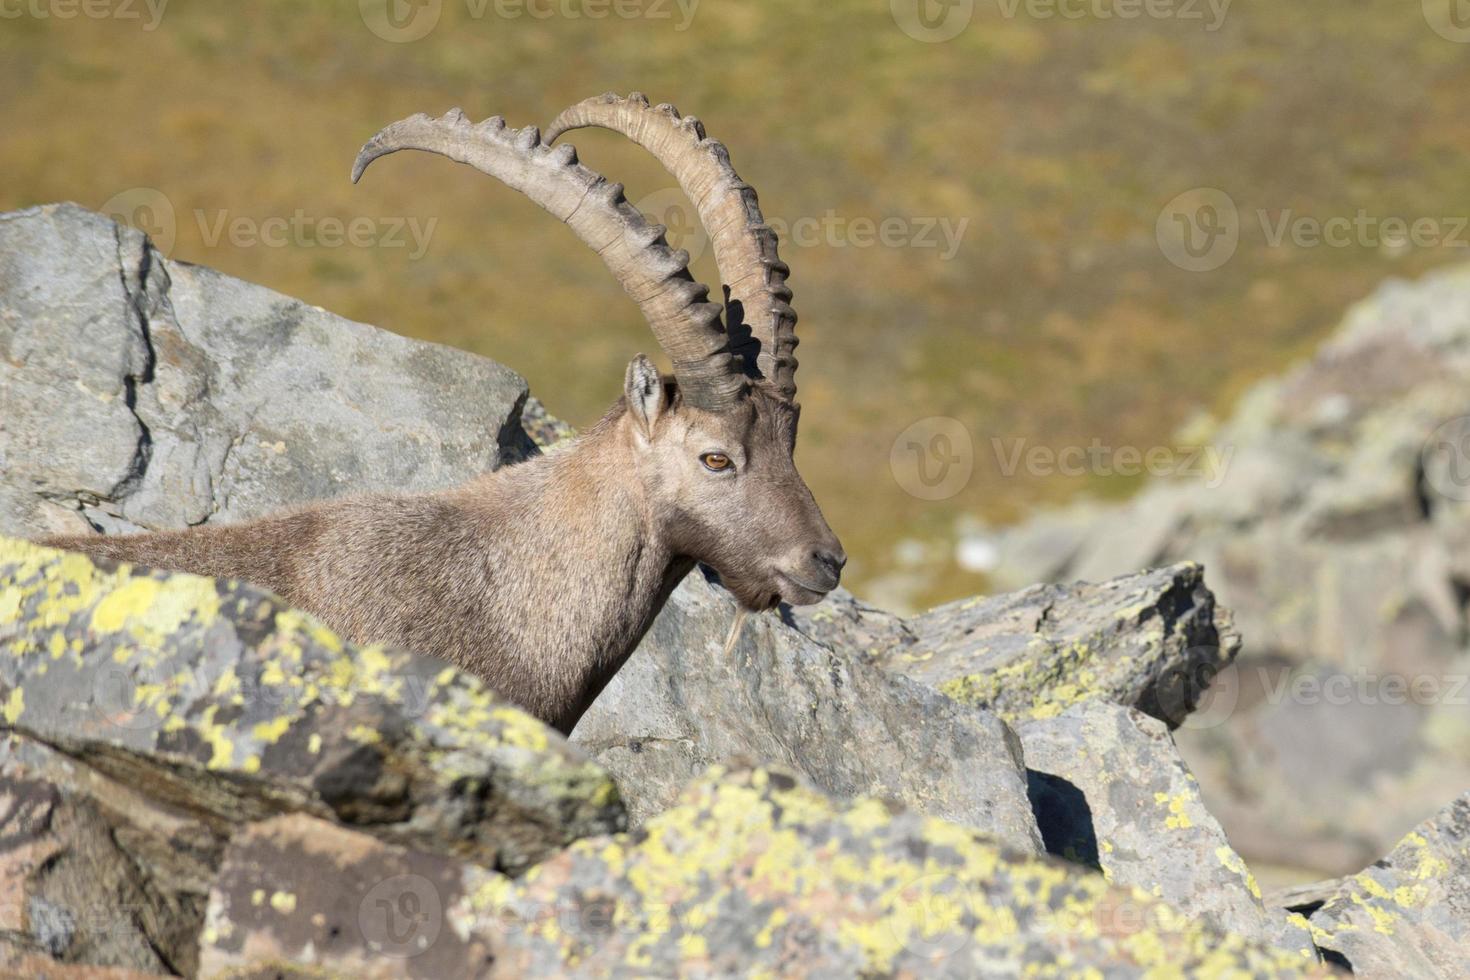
point(543, 577)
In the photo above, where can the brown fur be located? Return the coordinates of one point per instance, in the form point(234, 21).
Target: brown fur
point(542, 577)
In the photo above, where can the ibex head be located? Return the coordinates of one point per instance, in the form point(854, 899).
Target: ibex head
point(713, 446)
point(723, 485)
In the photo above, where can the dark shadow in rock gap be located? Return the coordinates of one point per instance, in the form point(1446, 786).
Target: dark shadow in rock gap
point(1064, 818)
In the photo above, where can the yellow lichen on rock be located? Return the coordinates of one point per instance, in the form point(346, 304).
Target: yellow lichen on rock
point(762, 868)
point(218, 683)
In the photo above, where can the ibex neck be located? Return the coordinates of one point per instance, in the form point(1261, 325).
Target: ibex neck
point(596, 567)
point(591, 489)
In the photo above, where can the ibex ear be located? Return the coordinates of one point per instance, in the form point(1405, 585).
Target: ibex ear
point(644, 390)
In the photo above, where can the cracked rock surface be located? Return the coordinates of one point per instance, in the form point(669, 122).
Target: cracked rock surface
point(1408, 914)
point(851, 696)
point(1150, 640)
point(1110, 791)
point(755, 872)
point(138, 392)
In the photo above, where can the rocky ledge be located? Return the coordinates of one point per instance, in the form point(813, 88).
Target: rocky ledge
point(196, 780)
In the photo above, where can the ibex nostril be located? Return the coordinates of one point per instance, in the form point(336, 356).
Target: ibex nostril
point(832, 561)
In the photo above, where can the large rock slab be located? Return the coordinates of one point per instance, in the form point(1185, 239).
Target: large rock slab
point(1409, 914)
point(1151, 640)
point(807, 689)
point(682, 703)
point(215, 696)
point(138, 392)
point(1111, 791)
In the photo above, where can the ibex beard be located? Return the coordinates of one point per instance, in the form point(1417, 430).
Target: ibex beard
point(543, 577)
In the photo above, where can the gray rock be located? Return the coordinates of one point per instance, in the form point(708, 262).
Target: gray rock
point(1407, 915)
point(139, 392)
point(681, 704)
point(1111, 791)
point(752, 872)
point(845, 623)
point(864, 702)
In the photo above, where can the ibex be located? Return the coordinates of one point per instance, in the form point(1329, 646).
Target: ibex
point(542, 577)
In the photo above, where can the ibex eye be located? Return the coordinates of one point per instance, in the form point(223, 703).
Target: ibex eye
point(715, 461)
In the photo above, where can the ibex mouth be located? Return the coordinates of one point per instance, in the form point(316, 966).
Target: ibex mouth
point(799, 593)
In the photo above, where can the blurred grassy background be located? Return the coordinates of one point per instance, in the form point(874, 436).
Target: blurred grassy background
point(1058, 321)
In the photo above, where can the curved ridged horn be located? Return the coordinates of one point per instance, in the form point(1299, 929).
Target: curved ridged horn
point(745, 246)
point(686, 325)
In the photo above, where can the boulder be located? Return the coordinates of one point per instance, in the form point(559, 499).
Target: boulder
point(297, 896)
point(1111, 791)
point(1408, 915)
point(1152, 640)
point(140, 392)
point(218, 698)
point(683, 703)
point(807, 688)
point(94, 872)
